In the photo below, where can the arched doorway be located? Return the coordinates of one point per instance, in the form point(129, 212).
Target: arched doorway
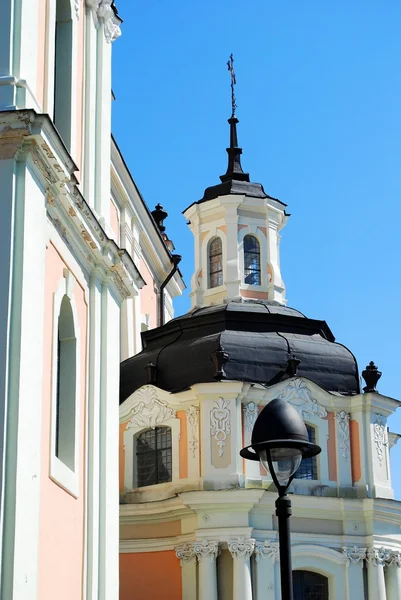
point(310, 586)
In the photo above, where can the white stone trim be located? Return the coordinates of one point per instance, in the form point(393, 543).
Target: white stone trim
point(60, 472)
point(253, 230)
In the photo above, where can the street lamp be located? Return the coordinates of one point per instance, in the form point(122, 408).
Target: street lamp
point(280, 442)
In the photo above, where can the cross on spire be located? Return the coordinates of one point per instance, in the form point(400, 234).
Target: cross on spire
point(230, 66)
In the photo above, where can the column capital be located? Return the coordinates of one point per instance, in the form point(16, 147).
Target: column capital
point(185, 553)
point(354, 554)
point(394, 559)
point(205, 549)
point(378, 556)
point(241, 547)
point(266, 549)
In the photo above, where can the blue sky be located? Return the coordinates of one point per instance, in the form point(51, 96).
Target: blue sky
point(319, 100)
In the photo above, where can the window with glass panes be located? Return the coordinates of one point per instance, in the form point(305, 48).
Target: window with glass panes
point(251, 260)
point(153, 457)
point(215, 263)
point(308, 467)
point(310, 586)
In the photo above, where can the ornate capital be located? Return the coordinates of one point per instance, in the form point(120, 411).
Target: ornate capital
point(266, 549)
point(103, 12)
point(342, 419)
point(185, 553)
point(354, 554)
point(395, 559)
point(378, 556)
point(250, 415)
point(220, 423)
point(241, 547)
point(204, 549)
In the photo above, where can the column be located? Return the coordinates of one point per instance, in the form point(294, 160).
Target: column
point(393, 576)
point(376, 558)
point(241, 551)
point(206, 553)
point(187, 558)
point(355, 557)
point(265, 557)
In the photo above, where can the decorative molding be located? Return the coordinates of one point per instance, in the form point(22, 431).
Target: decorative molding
point(378, 556)
point(299, 395)
point(193, 419)
point(250, 414)
point(148, 410)
point(241, 547)
point(354, 554)
point(204, 549)
point(220, 423)
point(185, 553)
point(77, 4)
point(379, 435)
point(266, 549)
point(342, 419)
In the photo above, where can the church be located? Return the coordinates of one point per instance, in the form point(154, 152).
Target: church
point(121, 424)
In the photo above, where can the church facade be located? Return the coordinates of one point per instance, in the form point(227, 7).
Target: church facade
point(193, 513)
point(83, 265)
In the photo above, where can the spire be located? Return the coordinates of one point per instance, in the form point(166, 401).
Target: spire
point(234, 168)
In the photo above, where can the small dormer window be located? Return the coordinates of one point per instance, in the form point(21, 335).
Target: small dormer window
point(154, 456)
point(251, 260)
point(215, 263)
point(308, 467)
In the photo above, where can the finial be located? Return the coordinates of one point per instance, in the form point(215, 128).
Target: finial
point(159, 215)
point(371, 376)
point(230, 66)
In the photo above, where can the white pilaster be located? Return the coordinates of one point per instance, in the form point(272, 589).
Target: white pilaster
point(90, 108)
point(241, 551)
point(355, 558)
point(343, 448)
point(206, 553)
point(393, 577)
point(265, 557)
point(376, 558)
point(250, 413)
point(187, 558)
point(232, 276)
point(109, 436)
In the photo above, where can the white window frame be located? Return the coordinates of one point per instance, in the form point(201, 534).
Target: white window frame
point(60, 472)
point(131, 434)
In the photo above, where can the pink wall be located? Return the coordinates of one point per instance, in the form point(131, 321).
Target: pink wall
point(147, 295)
point(61, 535)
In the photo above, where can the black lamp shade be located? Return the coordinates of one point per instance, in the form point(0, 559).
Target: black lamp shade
point(279, 425)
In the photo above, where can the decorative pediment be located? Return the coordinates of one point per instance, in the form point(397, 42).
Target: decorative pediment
point(297, 393)
point(147, 410)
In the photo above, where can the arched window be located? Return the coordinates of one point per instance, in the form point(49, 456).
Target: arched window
point(215, 263)
point(308, 467)
point(66, 386)
point(310, 586)
point(63, 71)
point(251, 260)
point(153, 456)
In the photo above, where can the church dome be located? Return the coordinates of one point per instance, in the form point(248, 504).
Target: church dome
point(254, 341)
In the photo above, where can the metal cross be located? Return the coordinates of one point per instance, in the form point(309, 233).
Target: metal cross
point(230, 66)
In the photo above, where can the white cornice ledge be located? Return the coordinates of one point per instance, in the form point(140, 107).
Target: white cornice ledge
point(154, 544)
point(24, 134)
point(221, 500)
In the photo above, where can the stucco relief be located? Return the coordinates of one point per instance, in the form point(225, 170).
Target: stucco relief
point(266, 549)
point(380, 437)
point(76, 7)
point(250, 414)
point(299, 395)
point(148, 410)
point(342, 419)
point(193, 419)
point(241, 547)
point(220, 423)
point(378, 556)
point(354, 554)
point(185, 553)
point(103, 12)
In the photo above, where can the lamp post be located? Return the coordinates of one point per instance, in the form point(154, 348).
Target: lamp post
point(280, 442)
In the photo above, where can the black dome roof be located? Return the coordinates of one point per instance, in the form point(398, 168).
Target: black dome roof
point(250, 340)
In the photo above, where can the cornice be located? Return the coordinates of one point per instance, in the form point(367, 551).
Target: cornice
point(26, 135)
point(154, 544)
